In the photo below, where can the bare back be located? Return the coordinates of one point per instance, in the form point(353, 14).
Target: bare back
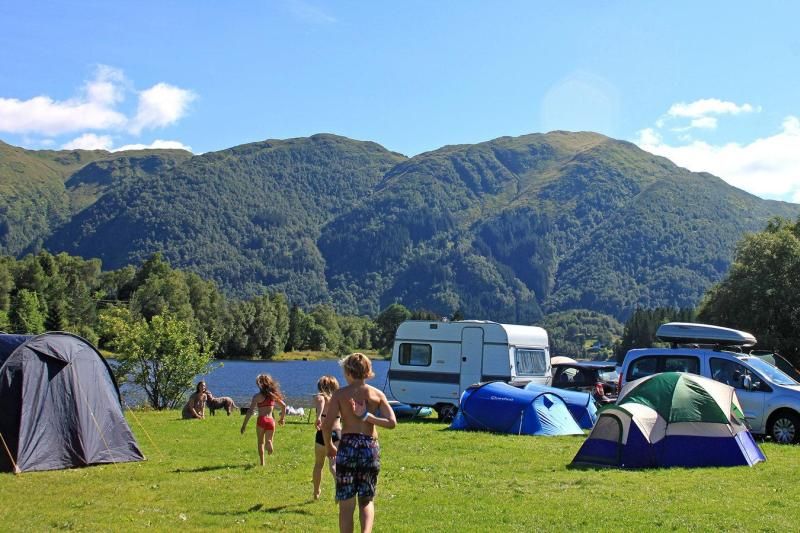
point(360, 393)
point(322, 404)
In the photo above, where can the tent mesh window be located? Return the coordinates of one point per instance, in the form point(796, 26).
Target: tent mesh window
point(608, 428)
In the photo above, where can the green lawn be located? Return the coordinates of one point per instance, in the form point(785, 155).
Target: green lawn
point(203, 474)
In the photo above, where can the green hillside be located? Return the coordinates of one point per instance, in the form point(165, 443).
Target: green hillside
point(515, 227)
point(508, 229)
point(247, 217)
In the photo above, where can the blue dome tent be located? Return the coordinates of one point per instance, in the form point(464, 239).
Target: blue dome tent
point(502, 408)
point(59, 405)
point(581, 405)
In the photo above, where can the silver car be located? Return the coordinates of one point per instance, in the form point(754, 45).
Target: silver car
point(770, 398)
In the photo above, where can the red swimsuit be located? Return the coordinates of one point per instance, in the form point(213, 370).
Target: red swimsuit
point(267, 423)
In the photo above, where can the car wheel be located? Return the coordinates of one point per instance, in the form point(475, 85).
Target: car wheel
point(784, 428)
point(446, 412)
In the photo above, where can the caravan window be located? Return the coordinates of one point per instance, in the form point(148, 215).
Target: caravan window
point(415, 354)
point(530, 362)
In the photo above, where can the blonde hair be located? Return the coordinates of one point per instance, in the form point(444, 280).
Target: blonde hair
point(357, 366)
point(269, 387)
point(327, 385)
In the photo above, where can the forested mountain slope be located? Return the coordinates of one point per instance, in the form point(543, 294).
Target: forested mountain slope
point(515, 227)
point(41, 190)
point(248, 217)
point(507, 229)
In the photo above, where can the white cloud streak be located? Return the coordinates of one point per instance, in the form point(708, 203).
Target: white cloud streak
point(157, 144)
point(708, 106)
point(91, 141)
point(768, 167)
point(702, 114)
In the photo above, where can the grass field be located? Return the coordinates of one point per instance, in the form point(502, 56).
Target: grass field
point(202, 474)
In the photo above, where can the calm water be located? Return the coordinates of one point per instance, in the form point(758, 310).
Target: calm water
point(298, 380)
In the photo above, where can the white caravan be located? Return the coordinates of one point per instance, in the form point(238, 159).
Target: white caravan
point(433, 362)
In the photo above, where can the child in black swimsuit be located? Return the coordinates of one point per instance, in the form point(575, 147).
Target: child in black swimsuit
point(326, 386)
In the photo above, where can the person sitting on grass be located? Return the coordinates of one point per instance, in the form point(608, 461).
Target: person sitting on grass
point(358, 459)
point(196, 406)
point(264, 402)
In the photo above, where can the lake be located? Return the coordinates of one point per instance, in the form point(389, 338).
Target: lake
point(298, 380)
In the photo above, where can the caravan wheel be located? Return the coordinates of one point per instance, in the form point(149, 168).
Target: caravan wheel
point(446, 412)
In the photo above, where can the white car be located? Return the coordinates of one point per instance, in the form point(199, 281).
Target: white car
point(770, 399)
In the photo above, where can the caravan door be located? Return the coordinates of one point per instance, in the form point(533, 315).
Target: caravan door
point(471, 356)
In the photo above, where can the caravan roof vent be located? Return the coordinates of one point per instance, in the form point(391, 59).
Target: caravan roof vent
point(687, 333)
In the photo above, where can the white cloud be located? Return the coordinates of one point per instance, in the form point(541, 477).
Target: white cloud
point(702, 114)
point(768, 167)
point(708, 106)
point(704, 123)
point(43, 115)
point(95, 108)
point(89, 141)
point(159, 106)
point(158, 143)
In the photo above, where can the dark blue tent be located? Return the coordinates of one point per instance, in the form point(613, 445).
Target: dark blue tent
point(502, 408)
point(59, 405)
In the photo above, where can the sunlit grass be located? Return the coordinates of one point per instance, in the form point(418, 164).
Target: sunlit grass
point(203, 474)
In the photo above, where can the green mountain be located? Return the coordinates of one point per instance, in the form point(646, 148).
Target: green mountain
point(507, 229)
point(42, 190)
point(248, 217)
point(514, 227)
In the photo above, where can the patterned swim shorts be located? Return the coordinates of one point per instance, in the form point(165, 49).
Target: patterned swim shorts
point(358, 462)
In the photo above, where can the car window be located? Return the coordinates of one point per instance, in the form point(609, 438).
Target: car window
point(681, 364)
point(582, 377)
point(653, 364)
point(565, 376)
point(728, 372)
point(771, 372)
point(643, 367)
point(608, 375)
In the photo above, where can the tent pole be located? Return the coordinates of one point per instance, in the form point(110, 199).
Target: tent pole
point(13, 463)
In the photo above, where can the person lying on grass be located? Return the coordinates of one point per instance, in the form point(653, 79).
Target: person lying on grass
point(358, 459)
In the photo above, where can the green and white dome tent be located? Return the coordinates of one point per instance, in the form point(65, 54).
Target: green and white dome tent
point(671, 419)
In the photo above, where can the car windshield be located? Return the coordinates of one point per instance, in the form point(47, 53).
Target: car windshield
point(768, 371)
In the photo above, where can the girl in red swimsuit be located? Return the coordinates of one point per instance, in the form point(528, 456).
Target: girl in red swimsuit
point(264, 402)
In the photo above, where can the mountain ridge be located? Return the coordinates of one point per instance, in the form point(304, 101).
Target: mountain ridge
point(507, 229)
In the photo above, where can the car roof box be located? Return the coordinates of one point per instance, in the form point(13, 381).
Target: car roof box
point(687, 333)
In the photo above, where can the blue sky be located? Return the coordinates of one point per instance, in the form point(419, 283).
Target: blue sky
point(714, 86)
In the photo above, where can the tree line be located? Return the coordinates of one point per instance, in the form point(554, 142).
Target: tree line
point(760, 294)
point(46, 292)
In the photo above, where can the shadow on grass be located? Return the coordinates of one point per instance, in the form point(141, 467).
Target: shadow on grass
point(294, 508)
point(421, 421)
point(212, 468)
